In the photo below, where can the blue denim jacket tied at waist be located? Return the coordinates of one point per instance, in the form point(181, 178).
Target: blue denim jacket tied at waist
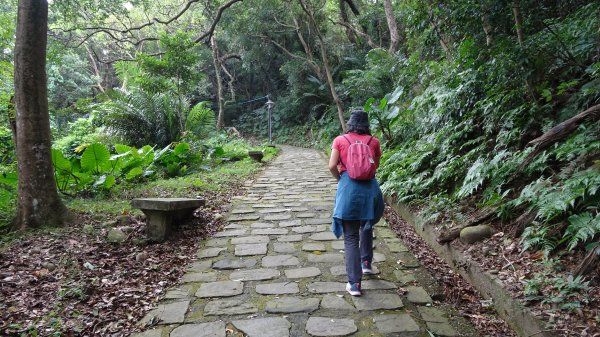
point(356, 200)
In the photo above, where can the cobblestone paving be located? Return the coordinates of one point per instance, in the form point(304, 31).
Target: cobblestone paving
point(276, 270)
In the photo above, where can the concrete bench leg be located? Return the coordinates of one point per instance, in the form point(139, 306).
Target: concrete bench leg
point(158, 224)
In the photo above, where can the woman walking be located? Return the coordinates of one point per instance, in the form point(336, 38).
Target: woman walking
point(358, 201)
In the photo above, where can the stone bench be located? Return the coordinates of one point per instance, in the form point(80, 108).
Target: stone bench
point(161, 213)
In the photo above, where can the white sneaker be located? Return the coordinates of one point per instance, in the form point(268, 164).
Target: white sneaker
point(353, 289)
point(366, 268)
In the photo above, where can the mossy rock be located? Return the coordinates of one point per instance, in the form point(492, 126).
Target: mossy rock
point(475, 233)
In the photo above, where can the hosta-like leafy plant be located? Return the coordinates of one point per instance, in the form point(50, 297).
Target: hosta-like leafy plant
point(99, 170)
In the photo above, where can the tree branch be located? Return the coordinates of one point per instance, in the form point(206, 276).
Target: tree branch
point(140, 27)
point(210, 32)
point(226, 57)
point(95, 67)
point(229, 83)
point(353, 7)
point(560, 131)
point(358, 32)
point(112, 32)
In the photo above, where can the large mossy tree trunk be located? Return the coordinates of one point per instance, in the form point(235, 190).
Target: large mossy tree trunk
point(38, 200)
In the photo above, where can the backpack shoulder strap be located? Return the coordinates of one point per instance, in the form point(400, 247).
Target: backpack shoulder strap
point(346, 138)
point(370, 139)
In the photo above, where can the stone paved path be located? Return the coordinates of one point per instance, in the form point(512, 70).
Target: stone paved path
point(276, 270)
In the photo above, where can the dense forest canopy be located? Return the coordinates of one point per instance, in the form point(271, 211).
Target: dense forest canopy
point(467, 95)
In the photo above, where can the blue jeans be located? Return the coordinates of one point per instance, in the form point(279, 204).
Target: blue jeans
point(358, 247)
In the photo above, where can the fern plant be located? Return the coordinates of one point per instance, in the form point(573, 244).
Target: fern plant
point(201, 120)
point(140, 118)
point(538, 237)
point(582, 228)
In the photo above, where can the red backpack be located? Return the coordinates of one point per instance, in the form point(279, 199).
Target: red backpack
point(360, 160)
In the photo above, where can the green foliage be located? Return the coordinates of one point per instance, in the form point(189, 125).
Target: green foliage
point(174, 71)
point(8, 198)
point(174, 158)
point(376, 79)
point(78, 133)
point(99, 170)
point(385, 113)
point(539, 237)
point(582, 228)
point(7, 147)
point(95, 159)
point(201, 120)
point(456, 126)
point(69, 79)
point(140, 118)
point(566, 292)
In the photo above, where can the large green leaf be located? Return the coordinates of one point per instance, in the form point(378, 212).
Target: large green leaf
point(109, 182)
point(367, 107)
point(95, 158)
point(395, 95)
point(83, 178)
point(393, 113)
point(135, 172)
point(59, 161)
point(121, 149)
point(181, 148)
point(160, 153)
point(105, 181)
point(148, 154)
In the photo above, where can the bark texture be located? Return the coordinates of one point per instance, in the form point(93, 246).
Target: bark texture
point(344, 19)
point(516, 9)
point(220, 98)
point(392, 26)
point(38, 200)
point(561, 131)
point(486, 24)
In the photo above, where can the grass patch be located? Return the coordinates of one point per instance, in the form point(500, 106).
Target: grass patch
point(216, 179)
point(209, 176)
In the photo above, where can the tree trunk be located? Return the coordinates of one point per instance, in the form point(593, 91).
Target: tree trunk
point(334, 95)
point(438, 31)
point(324, 57)
point(516, 9)
point(392, 26)
point(560, 132)
point(353, 7)
point(95, 67)
point(220, 99)
point(486, 24)
point(344, 19)
point(307, 49)
point(38, 200)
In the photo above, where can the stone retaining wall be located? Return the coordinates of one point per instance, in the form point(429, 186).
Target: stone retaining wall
point(523, 322)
